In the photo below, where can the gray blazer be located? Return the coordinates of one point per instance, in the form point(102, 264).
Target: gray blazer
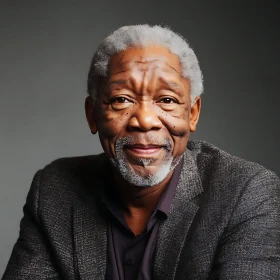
point(224, 222)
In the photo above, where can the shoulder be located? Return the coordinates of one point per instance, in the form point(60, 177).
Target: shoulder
point(234, 189)
point(67, 164)
point(217, 166)
point(71, 166)
point(69, 178)
point(74, 168)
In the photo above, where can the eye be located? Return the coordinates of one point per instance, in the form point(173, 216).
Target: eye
point(168, 100)
point(119, 100)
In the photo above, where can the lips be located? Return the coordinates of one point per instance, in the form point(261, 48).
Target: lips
point(143, 150)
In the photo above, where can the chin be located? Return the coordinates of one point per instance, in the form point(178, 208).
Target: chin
point(144, 175)
point(143, 171)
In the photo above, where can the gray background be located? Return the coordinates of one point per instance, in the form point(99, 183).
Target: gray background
point(45, 52)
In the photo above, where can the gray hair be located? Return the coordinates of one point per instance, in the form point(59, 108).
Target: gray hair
point(142, 36)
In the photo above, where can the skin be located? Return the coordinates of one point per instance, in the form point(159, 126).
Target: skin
point(144, 95)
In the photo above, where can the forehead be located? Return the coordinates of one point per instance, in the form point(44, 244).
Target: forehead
point(144, 59)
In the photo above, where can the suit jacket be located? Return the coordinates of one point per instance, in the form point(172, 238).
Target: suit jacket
point(224, 222)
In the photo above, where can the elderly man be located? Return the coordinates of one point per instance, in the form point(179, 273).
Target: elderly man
point(155, 205)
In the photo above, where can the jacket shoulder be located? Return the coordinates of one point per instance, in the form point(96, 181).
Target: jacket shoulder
point(90, 165)
point(216, 164)
point(73, 163)
point(72, 176)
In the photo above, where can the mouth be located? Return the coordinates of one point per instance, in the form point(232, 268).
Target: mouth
point(140, 150)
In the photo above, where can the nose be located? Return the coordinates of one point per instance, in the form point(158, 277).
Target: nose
point(145, 118)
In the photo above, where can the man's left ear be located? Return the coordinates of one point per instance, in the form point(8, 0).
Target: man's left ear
point(194, 113)
point(90, 114)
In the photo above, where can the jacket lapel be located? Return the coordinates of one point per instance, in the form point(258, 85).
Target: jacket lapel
point(173, 231)
point(89, 226)
point(90, 242)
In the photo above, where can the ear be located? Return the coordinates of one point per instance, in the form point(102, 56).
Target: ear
point(194, 114)
point(90, 114)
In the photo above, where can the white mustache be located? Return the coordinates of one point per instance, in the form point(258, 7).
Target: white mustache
point(143, 140)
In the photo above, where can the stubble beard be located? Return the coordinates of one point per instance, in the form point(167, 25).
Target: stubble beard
point(134, 178)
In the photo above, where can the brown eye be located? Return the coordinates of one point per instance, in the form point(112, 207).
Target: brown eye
point(168, 100)
point(119, 100)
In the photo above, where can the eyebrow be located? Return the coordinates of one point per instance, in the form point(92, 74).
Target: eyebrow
point(118, 82)
point(172, 85)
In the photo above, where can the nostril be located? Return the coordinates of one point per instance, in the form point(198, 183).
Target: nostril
point(142, 122)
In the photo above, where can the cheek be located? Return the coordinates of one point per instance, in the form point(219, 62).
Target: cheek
point(180, 144)
point(109, 128)
point(179, 129)
point(176, 123)
point(110, 124)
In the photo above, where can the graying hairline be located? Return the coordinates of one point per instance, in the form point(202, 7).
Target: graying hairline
point(192, 73)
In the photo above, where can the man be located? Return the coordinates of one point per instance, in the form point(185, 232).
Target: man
point(155, 205)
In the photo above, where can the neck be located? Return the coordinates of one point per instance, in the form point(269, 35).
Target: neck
point(136, 199)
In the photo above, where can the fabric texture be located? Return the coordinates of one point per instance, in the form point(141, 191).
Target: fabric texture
point(224, 221)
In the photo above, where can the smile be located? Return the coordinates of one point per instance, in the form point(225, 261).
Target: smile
point(139, 150)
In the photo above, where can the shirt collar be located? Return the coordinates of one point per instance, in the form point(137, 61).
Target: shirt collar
point(164, 204)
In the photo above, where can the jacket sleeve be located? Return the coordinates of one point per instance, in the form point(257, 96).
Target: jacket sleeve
point(31, 257)
point(250, 247)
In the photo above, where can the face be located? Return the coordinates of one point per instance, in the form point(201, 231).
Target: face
point(143, 114)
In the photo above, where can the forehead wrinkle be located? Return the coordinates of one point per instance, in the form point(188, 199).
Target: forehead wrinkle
point(146, 80)
point(127, 64)
point(171, 84)
point(138, 81)
point(143, 75)
point(147, 83)
point(158, 66)
point(143, 81)
point(117, 82)
point(130, 82)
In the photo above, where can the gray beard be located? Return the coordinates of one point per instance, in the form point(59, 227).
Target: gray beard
point(121, 163)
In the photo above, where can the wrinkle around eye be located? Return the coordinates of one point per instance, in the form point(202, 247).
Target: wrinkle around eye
point(120, 102)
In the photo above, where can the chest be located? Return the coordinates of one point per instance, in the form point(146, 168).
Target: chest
point(137, 224)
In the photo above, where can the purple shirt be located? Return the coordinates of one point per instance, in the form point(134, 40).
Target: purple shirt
point(129, 256)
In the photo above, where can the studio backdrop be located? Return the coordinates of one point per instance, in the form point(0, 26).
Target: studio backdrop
point(45, 53)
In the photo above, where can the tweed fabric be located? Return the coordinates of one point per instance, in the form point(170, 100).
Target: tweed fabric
point(224, 221)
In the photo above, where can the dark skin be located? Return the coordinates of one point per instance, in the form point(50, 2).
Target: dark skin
point(144, 94)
